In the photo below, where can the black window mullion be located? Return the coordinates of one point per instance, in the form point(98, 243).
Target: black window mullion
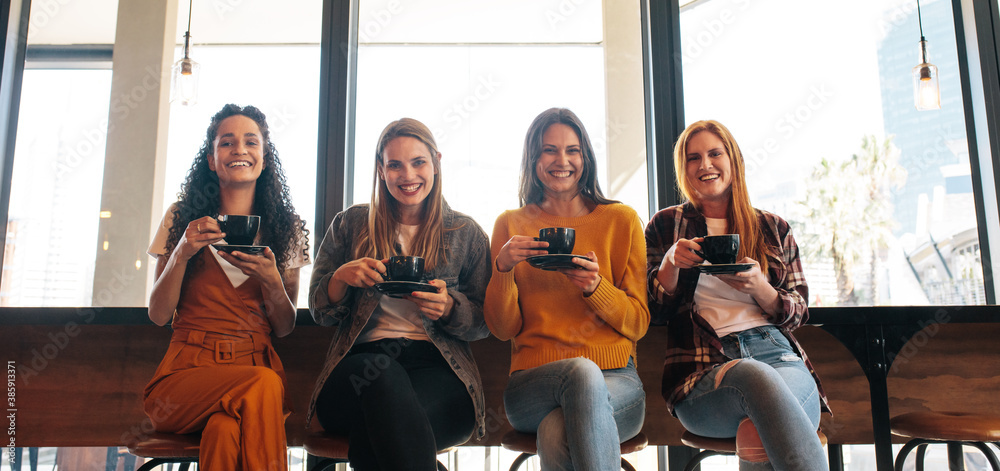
point(984, 15)
point(664, 96)
point(338, 52)
point(13, 20)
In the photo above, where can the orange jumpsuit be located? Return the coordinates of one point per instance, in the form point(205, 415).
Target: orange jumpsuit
point(220, 375)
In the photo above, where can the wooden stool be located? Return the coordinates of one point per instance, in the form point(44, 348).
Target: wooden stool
point(715, 447)
point(526, 444)
point(167, 448)
point(951, 428)
point(329, 448)
point(332, 449)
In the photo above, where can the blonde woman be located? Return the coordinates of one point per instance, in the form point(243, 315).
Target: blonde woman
point(733, 368)
point(399, 376)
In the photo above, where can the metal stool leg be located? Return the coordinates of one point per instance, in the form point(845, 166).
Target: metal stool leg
point(701, 456)
point(153, 463)
point(903, 452)
point(519, 461)
point(956, 460)
point(921, 453)
point(990, 456)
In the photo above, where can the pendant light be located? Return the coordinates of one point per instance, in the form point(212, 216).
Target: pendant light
point(186, 72)
point(926, 88)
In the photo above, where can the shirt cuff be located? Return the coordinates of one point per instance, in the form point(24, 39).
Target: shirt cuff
point(661, 292)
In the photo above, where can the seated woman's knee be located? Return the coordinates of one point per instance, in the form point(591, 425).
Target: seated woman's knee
point(376, 371)
point(266, 377)
point(582, 372)
point(750, 375)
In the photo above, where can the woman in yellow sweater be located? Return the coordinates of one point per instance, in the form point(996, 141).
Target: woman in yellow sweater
point(573, 379)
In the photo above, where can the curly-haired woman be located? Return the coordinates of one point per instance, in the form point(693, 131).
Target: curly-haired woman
point(220, 376)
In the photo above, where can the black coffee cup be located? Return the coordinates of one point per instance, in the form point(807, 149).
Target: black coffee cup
point(405, 268)
point(720, 249)
point(560, 239)
point(239, 229)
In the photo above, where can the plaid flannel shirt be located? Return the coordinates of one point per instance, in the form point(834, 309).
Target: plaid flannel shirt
point(693, 348)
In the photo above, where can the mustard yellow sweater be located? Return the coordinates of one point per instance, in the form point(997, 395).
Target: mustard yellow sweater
point(547, 316)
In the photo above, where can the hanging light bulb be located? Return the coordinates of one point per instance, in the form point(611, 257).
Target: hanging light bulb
point(186, 72)
point(926, 88)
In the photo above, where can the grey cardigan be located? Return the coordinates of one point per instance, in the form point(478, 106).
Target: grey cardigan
point(467, 273)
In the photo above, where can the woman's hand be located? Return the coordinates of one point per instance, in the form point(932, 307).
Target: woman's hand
point(682, 254)
point(434, 306)
point(361, 273)
point(587, 276)
point(754, 283)
point(199, 233)
point(517, 250)
point(261, 267)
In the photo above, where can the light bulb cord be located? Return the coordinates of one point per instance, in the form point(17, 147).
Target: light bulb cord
point(187, 34)
point(920, 21)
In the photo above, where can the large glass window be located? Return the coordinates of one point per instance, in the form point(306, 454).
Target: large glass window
point(272, 65)
point(50, 247)
point(55, 193)
point(879, 194)
point(477, 74)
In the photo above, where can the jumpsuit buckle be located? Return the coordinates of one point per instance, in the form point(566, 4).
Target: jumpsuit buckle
point(225, 351)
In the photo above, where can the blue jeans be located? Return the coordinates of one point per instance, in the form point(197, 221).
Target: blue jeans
point(580, 412)
point(768, 383)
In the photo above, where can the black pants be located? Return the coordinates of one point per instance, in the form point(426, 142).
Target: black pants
point(400, 403)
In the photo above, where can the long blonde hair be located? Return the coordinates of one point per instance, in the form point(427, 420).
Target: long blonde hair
point(741, 217)
point(378, 238)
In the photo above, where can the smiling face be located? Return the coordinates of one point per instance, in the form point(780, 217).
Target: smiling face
point(408, 171)
point(708, 167)
point(560, 165)
point(238, 151)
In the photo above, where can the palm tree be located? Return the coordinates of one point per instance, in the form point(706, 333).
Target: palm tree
point(848, 213)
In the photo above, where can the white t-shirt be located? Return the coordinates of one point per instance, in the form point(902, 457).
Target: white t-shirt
point(726, 309)
point(396, 317)
point(298, 258)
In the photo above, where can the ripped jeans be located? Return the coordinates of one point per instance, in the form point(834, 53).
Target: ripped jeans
point(768, 383)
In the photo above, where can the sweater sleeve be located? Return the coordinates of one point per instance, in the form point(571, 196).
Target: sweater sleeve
point(622, 303)
point(501, 308)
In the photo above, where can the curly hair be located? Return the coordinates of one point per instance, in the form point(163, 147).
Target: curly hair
point(281, 228)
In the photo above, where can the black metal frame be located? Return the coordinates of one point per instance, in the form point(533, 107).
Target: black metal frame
point(13, 19)
point(664, 97)
point(985, 20)
point(338, 61)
